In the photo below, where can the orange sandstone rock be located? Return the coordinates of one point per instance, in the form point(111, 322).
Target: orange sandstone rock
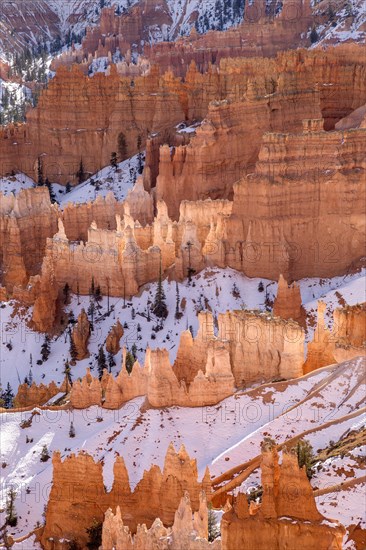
point(113, 338)
point(80, 335)
point(287, 516)
point(287, 304)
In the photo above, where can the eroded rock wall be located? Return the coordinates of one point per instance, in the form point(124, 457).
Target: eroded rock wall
point(78, 497)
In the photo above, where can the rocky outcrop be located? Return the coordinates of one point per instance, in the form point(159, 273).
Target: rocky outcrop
point(113, 338)
point(344, 341)
point(44, 309)
point(187, 532)
point(250, 346)
point(78, 497)
point(262, 347)
point(35, 395)
point(80, 336)
point(287, 516)
point(288, 304)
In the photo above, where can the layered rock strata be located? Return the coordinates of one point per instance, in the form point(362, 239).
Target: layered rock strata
point(249, 347)
point(78, 497)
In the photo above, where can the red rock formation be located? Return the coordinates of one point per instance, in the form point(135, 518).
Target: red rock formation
point(187, 532)
point(262, 347)
point(78, 497)
point(80, 335)
point(113, 338)
point(287, 304)
point(287, 517)
point(44, 310)
point(36, 394)
point(346, 339)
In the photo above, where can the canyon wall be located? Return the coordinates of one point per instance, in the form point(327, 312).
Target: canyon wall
point(78, 496)
point(82, 118)
point(287, 516)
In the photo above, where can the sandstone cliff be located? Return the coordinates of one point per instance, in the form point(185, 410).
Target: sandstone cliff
point(287, 516)
point(78, 496)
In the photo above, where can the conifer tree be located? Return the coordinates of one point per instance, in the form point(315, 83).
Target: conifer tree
point(102, 363)
point(11, 515)
point(111, 361)
point(114, 160)
point(44, 454)
point(72, 349)
point(178, 314)
point(40, 179)
point(130, 361)
point(80, 174)
point(8, 397)
point(213, 529)
point(159, 307)
point(50, 191)
point(72, 430)
point(45, 348)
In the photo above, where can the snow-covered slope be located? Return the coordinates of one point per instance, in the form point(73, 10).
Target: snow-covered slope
point(214, 289)
point(217, 437)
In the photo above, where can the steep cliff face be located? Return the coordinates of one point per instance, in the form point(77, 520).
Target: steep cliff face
point(262, 347)
point(95, 109)
point(287, 516)
point(344, 341)
point(78, 497)
point(187, 532)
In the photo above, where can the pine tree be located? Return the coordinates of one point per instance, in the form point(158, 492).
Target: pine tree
point(178, 314)
point(111, 361)
point(30, 377)
point(261, 287)
point(102, 363)
point(114, 160)
point(44, 454)
point(80, 174)
point(213, 529)
point(50, 191)
point(72, 430)
point(11, 515)
point(130, 361)
point(68, 187)
point(45, 349)
point(72, 350)
point(314, 37)
point(8, 397)
point(159, 307)
point(40, 179)
point(98, 296)
point(305, 456)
